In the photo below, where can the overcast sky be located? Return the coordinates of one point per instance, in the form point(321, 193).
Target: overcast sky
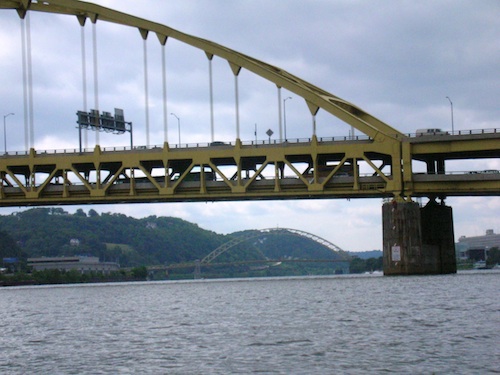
point(398, 60)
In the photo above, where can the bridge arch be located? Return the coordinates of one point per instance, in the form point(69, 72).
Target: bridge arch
point(246, 236)
point(315, 97)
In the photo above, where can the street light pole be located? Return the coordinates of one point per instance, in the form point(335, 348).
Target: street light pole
point(284, 114)
point(452, 126)
point(178, 126)
point(5, 132)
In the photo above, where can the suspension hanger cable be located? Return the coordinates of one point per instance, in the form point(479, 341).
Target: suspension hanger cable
point(30, 83)
point(82, 20)
point(164, 89)
point(96, 78)
point(25, 83)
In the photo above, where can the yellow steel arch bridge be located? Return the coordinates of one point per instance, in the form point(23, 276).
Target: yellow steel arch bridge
point(377, 164)
point(246, 236)
point(341, 256)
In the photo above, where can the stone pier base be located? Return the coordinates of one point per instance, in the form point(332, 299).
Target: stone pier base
point(418, 241)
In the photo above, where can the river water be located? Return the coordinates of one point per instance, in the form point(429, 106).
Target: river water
point(314, 325)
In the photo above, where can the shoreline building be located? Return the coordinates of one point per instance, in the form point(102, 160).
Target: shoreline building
point(82, 264)
point(476, 248)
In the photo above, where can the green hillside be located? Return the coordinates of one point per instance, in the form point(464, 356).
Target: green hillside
point(136, 242)
point(111, 237)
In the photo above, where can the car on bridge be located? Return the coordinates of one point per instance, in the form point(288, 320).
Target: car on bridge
point(219, 143)
point(430, 131)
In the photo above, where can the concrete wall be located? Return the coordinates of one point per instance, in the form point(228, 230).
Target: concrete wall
point(417, 241)
point(437, 231)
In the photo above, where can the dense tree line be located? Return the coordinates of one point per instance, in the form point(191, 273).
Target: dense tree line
point(56, 276)
point(359, 265)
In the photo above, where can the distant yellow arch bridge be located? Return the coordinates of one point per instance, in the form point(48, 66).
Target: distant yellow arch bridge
point(341, 256)
point(246, 236)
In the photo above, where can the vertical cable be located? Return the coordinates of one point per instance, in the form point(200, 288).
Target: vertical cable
point(314, 124)
point(96, 81)
point(164, 84)
point(236, 70)
point(211, 88)
point(30, 82)
point(84, 82)
point(280, 120)
point(146, 95)
point(25, 84)
point(236, 95)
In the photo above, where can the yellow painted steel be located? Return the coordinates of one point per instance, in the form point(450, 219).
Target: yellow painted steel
point(230, 172)
point(318, 168)
point(313, 169)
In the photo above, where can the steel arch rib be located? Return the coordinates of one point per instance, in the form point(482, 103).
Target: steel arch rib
point(315, 97)
point(274, 231)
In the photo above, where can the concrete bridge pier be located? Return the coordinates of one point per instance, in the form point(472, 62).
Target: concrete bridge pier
point(418, 241)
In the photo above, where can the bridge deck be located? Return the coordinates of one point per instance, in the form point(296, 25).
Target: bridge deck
point(312, 169)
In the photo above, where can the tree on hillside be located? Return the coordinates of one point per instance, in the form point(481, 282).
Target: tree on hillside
point(493, 257)
point(80, 212)
point(374, 264)
point(93, 213)
point(359, 265)
point(10, 249)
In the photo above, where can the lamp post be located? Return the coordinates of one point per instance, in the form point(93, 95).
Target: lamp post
point(5, 132)
point(178, 126)
point(284, 114)
point(451, 104)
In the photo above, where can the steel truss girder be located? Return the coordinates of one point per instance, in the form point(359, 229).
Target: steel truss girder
point(277, 171)
point(435, 151)
point(283, 171)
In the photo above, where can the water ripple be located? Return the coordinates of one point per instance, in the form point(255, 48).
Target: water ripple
point(327, 325)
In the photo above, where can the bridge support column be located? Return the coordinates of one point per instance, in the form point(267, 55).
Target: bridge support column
point(418, 241)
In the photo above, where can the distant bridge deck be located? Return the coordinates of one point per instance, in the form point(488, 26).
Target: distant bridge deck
point(244, 262)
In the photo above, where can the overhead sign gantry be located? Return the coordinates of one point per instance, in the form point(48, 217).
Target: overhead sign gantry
point(104, 122)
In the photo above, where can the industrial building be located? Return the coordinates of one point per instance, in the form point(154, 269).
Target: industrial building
point(476, 248)
point(82, 264)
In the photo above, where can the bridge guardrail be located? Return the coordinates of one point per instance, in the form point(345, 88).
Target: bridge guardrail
point(456, 132)
point(189, 145)
point(257, 143)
